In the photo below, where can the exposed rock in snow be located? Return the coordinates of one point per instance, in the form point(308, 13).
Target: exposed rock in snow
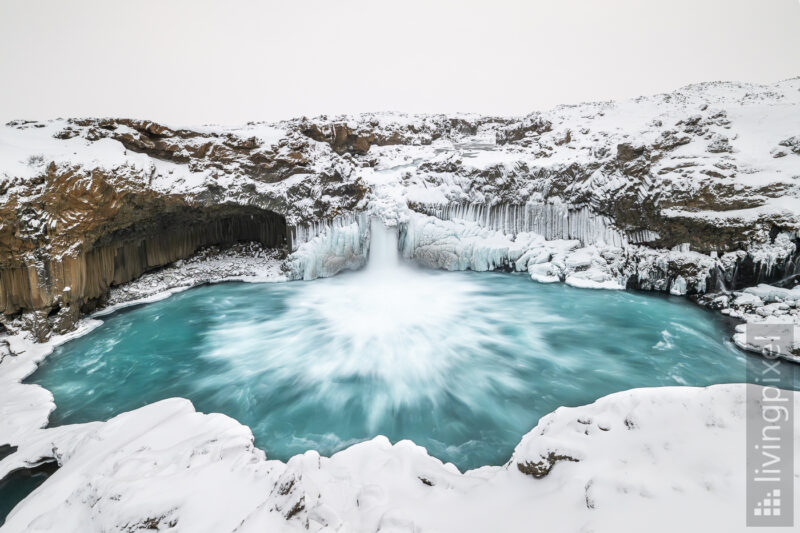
point(786, 146)
point(760, 304)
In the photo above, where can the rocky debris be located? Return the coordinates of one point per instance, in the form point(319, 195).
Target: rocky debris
point(523, 131)
point(719, 144)
point(787, 146)
point(670, 139)
point(541, 468)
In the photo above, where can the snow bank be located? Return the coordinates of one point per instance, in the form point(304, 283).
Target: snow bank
point(164, 466)
point(761, 304)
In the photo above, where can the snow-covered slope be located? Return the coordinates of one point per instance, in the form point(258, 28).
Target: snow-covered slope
point(167, 467)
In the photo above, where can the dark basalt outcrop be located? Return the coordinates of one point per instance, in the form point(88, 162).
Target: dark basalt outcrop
point(61, 250)
point(541, 468)
point(343, 138)
point(147, 236)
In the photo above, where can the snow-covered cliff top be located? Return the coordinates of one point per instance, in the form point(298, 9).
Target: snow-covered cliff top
point(717, 150)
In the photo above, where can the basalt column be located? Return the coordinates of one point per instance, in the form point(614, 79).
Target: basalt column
point(60, 287)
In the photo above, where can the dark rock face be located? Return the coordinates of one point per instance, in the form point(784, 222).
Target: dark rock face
point(343, 138)
point(528, 128)
point(627, 152)
point(70, 233)
point(68, 269)
point(748, 273)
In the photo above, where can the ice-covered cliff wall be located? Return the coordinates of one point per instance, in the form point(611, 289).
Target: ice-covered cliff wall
point(551, 220)
point(324, 248)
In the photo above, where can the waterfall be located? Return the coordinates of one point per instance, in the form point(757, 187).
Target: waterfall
point(383, 253)
point(348, 242)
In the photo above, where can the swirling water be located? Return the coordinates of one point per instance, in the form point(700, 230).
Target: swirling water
point(462, 363)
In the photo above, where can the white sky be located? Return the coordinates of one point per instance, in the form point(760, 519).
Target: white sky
point(195, 61)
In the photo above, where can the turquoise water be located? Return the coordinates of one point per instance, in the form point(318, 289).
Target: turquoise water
point(461, 363)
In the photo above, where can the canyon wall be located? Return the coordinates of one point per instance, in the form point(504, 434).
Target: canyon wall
point(59, 289)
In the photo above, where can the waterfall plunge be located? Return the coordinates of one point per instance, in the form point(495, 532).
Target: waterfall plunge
point(386, 322)
point(383, 250)
point(389, 296)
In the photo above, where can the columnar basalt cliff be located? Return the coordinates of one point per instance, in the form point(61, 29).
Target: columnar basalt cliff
point(59, 289)
point(687, 192)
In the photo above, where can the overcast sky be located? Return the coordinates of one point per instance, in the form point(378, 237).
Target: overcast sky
point(195, 61)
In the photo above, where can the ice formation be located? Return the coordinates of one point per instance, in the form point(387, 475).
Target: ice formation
point(323, 249)
point(553, 221)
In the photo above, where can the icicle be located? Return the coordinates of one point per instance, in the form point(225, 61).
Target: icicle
point(324, 248)
point(552, 221)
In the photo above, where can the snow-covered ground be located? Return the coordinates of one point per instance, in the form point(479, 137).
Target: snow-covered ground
point(242, 262)
point(763, 304)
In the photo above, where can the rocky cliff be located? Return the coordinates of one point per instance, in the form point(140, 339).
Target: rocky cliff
point(680, 192)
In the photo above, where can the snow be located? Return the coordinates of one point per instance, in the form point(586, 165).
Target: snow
point(764, 304)
point(242, 262)
point(647, 451)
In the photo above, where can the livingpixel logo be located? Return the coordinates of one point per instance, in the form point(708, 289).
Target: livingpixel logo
point(770, 427)
point(770, 505)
